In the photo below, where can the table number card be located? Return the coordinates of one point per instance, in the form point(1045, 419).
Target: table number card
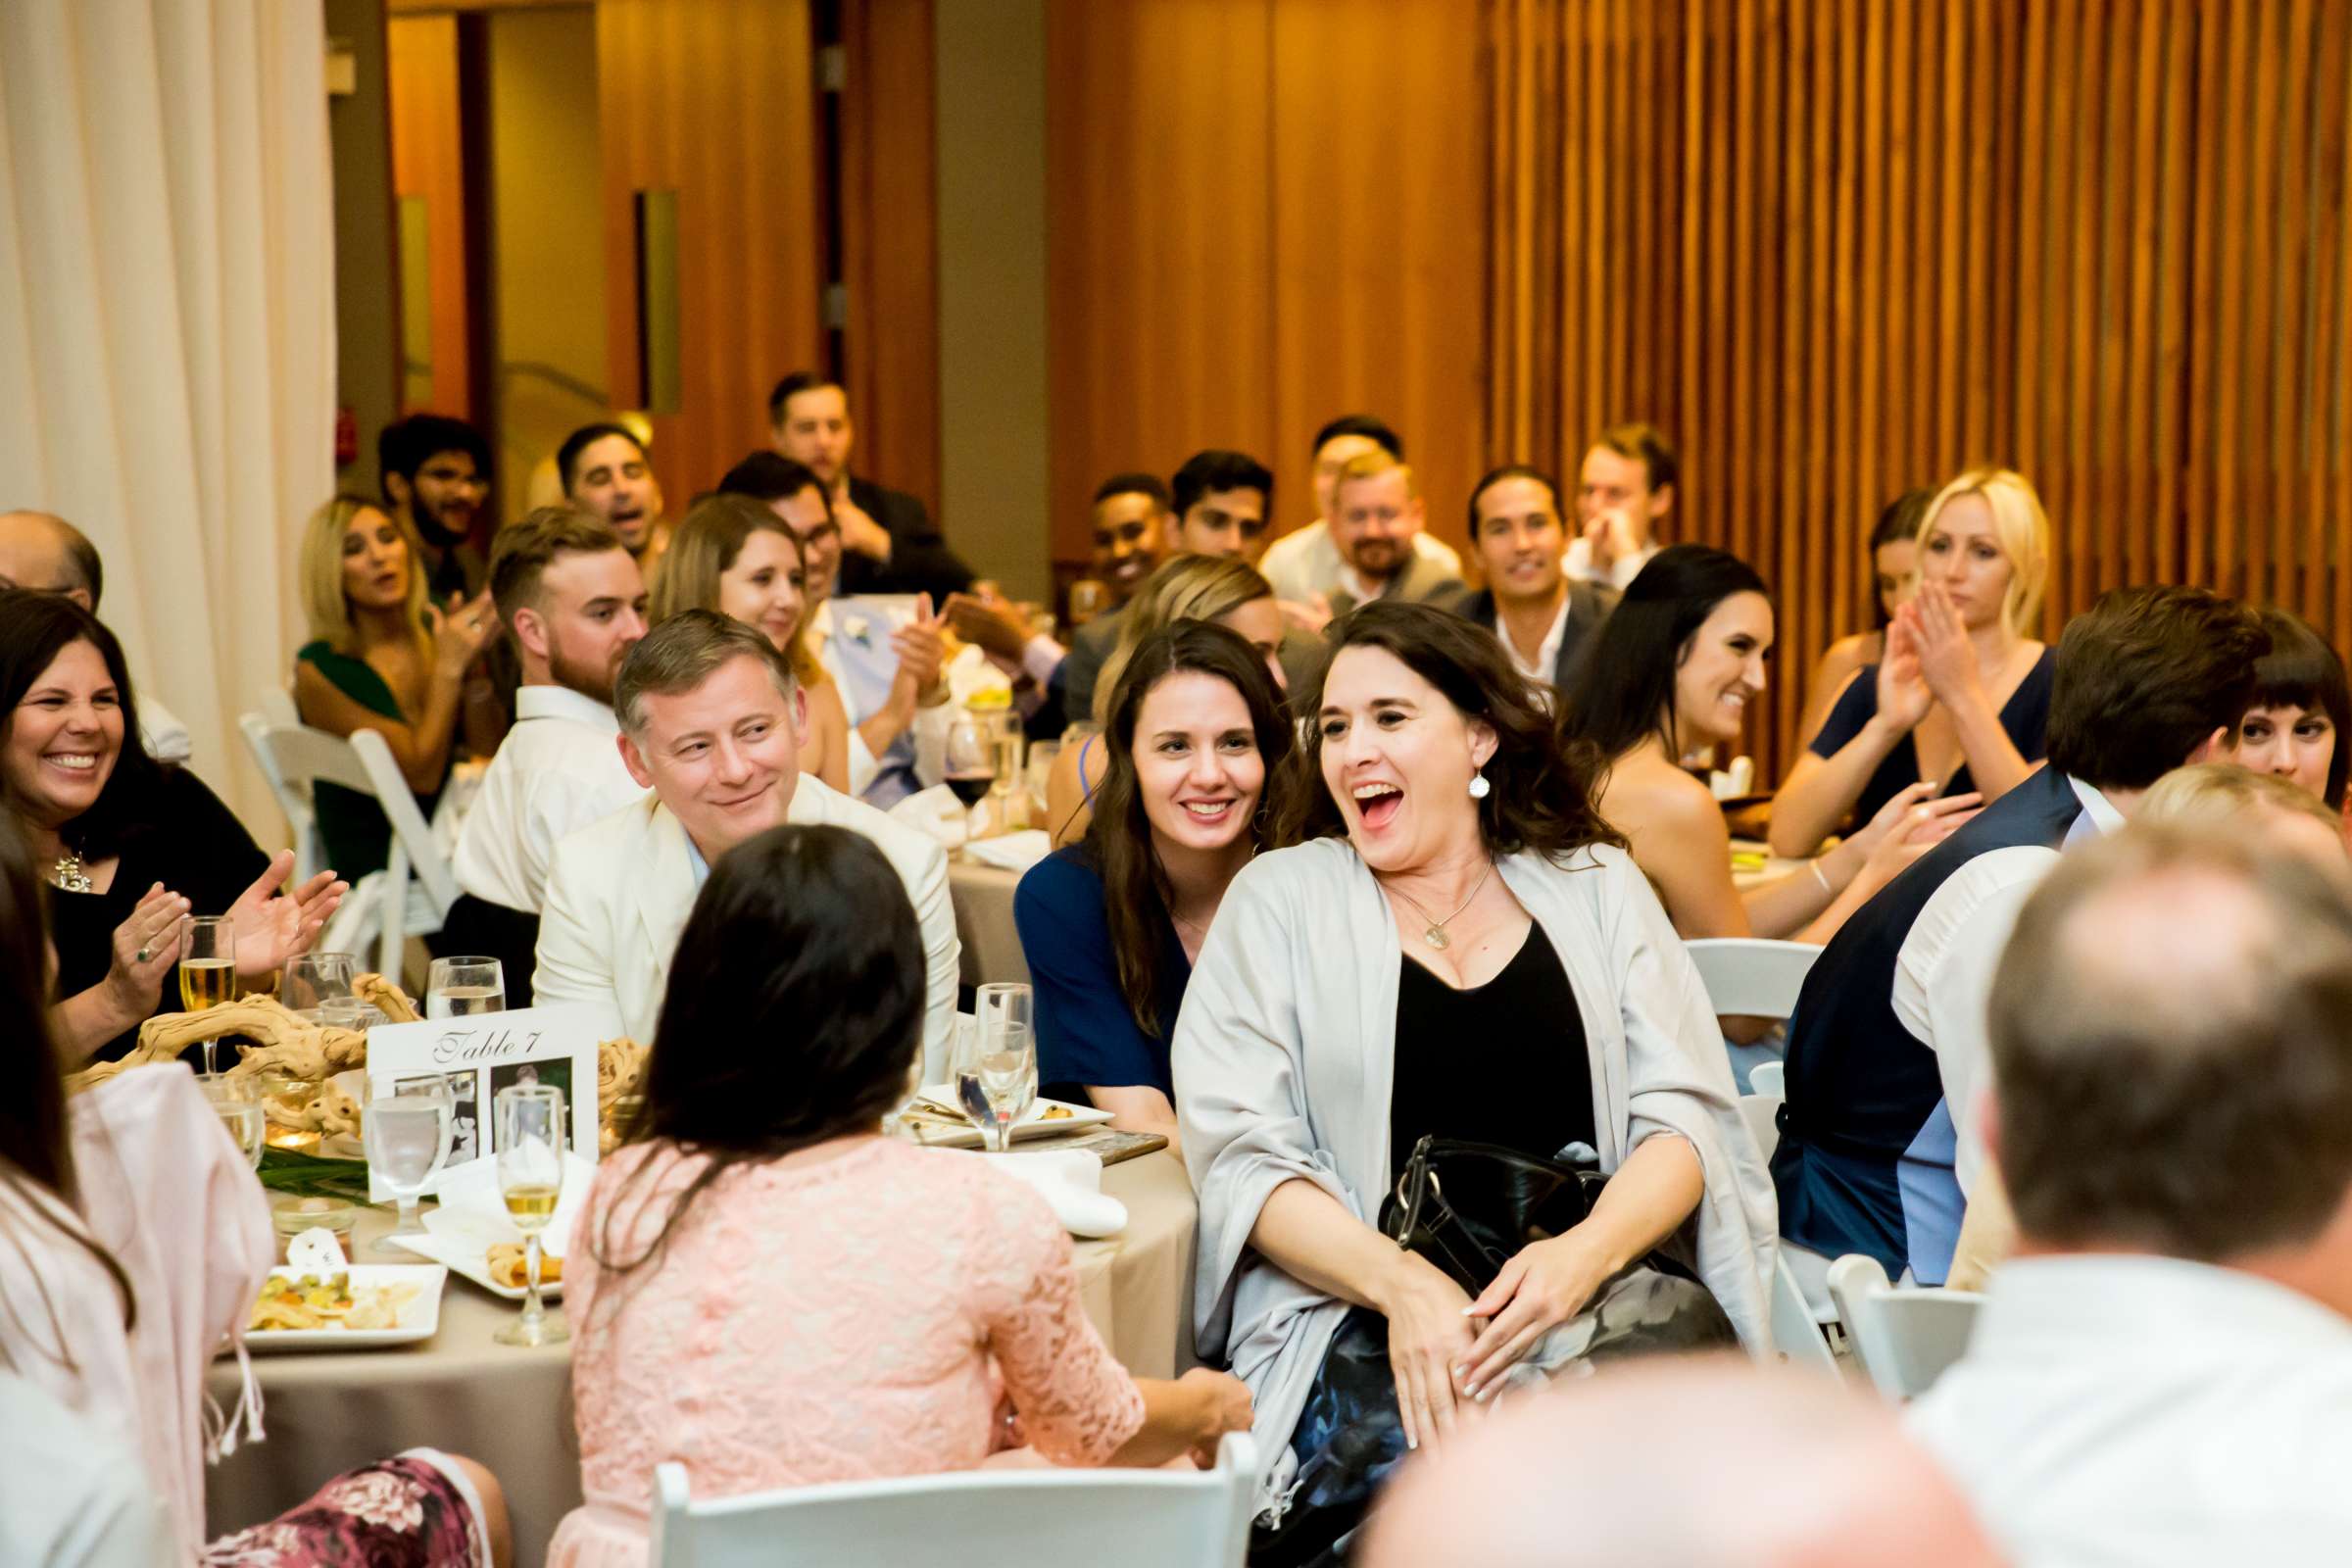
point(484, 1053)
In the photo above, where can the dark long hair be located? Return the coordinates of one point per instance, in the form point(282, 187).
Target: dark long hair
point(794, 1010)
point(1899, 525)
point(1541, 782)
point(36, 1149)
point(1621, 692)
point(34, 628)
point(2301, 670)
point(1118, 838)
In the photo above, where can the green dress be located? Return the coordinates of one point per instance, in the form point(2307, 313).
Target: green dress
point(359, 836)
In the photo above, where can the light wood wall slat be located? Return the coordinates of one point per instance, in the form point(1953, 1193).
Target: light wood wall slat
point(2105, 241)
point(428, 162)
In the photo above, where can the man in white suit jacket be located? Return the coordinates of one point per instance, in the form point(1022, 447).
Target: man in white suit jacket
point(711, 722)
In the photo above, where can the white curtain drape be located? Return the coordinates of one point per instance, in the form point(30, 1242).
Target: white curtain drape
point(167, 329)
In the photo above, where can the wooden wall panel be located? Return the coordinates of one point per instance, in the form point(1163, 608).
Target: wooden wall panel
point(1847, 247)
point(889, 243)
point(428, 163)
point(1262, 213)
point(714, 99)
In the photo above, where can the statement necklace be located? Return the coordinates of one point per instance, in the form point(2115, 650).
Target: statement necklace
point(68, 875)
point(1435, 934)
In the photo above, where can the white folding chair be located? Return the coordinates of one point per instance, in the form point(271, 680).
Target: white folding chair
point(1748, 977)
point(1769, 1080)
point(993, 1519)
point(277, 705)
point(1795, 1325)
point(1903, 1339)
point(412, 895)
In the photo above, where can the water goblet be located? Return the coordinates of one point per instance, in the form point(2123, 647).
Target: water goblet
point(995, 1070)
point(406, 1131)
point(460, 988)
point(236, 1101)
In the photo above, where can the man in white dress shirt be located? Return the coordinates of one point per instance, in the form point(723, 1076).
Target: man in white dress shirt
point(1539, 615)
point(712, 722)
point(1306, 564)
point(2163, 1373)
point(573, 600)
point(1624, 485)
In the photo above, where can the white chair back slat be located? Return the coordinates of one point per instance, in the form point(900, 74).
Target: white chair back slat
point(1904, 1339)
point(1751, 978)
point(994, 1519)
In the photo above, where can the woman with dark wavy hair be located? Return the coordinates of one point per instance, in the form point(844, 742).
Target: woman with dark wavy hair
point(1461, 948)
point(776, 1295)
point(1198, 751)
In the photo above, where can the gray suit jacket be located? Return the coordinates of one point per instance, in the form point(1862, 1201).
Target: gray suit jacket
point(1422, 581)
point(1588, 604)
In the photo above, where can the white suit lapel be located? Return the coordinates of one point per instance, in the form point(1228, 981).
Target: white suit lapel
point(664, 878)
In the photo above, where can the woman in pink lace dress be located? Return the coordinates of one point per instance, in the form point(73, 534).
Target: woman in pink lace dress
point(773, 1294)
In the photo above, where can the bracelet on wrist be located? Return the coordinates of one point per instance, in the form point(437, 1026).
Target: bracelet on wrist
point(1819, 877)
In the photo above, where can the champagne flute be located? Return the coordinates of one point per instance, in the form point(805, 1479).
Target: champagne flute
point(996, 1072)
point(460, 988)
point(531, 1178)
point(208, 970)
point(405, 1132)
point(237, 1103)
point(311, 980)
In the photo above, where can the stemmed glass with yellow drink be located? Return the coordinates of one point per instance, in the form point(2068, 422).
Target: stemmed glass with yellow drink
point(531, 1178)
point(208, 969)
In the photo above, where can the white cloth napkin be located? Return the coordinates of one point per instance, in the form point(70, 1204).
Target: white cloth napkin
point(1013, 852)
point(937, 812)
point(1071, 1180)
point(472, 1209)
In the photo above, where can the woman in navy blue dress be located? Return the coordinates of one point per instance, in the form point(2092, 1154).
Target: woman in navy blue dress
point(1962, 692)
point(1196, 744)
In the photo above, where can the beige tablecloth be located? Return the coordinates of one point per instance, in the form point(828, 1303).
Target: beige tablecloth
point(511, 1408)
point(983, 900)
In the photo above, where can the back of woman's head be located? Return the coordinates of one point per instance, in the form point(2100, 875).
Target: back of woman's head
point(792, 1014)
point(706, 544)
point(1621, 691)
point(2021, 526)
point(2301, 670)
point(32, 1095)
point(1118, 838)
point(1184, 588)
point(1540, 783)
point(34, 628)
point(2224, 794)
point(325, 603)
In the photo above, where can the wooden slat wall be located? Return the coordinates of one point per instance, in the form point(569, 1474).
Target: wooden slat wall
point(714, 99)
point(1845, 247)
point(1262, 214)
point(428, 162)
point(890, 255)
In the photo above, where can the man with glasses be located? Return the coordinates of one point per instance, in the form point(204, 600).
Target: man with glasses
point(436, 473)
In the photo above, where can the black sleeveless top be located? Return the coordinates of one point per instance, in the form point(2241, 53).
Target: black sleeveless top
point(1499, 1063)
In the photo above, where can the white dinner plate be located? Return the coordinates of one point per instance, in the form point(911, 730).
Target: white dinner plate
point(420, 1319)
point(1037, 1124)
point(464, 1248)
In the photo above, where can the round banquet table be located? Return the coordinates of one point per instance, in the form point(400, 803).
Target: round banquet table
point(983, 899)
point(511, 1408)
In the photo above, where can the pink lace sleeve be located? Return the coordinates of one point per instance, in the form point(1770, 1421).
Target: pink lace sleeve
point(1076, 1404)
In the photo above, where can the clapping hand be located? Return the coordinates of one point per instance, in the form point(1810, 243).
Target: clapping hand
point(145, 947)
point(1904, 696)
point(1947, 659)
point(920, 647)
point(459, 633)
point(990, 622)
point(271, 929)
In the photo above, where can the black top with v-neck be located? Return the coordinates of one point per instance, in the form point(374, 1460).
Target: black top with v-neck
point(2025, 717)
point(1499, 1063)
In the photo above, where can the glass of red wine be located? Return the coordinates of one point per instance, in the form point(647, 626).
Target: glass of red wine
point(971, 762)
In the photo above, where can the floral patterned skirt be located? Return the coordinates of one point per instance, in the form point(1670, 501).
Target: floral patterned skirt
point(409, 1511)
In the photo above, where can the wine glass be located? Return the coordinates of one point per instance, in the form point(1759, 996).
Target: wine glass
point(208, 970)
point(460, 987)
point(237, 1103)
point(531, 1178)
point(311, 980)
point(971, 759)
point(995, 1068)
point(406, 1131)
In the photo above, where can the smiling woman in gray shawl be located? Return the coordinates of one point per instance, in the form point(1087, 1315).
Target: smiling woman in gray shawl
point(1542, 999)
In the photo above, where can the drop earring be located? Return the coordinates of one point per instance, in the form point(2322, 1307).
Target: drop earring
point(1479, 787)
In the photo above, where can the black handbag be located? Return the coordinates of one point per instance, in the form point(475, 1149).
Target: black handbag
point(1468, 1209)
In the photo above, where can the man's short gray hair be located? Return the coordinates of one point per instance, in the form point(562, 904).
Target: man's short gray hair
point(682, 653)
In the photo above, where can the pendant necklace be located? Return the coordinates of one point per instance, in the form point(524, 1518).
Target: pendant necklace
point(1435, 934)
point(67, 876)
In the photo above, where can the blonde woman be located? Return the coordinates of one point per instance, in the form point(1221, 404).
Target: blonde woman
point(380, 658)
point(1220, 588)
point(735, 556)
point(1962, 695)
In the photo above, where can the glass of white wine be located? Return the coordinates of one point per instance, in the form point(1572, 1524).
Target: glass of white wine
point(460, 987)
point(208, 970)
point(238, 1102)
point(996, 1072)
point(406, 1131)
point(531, 1178)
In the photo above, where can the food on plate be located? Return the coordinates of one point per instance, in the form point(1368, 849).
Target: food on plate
point(1055, 1113)
point(324, 1300)
point(508, 1267)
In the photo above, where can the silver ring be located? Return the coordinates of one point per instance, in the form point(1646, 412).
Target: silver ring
point(142, 958)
